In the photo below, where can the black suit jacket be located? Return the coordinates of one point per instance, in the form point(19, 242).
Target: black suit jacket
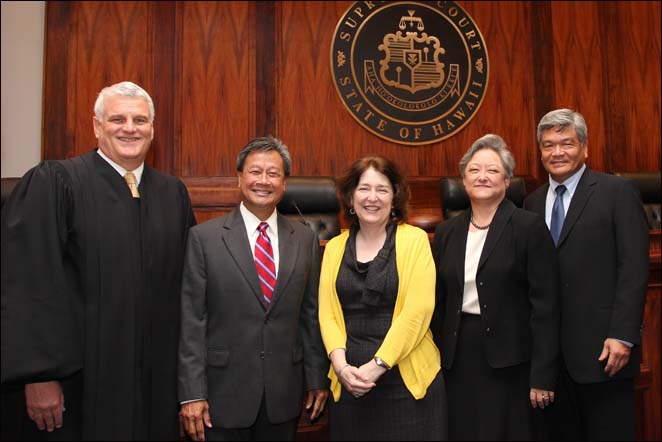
point(232, 349)
point(603, 253)
point(518, 290)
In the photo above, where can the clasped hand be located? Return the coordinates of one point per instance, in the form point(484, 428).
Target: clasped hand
point(361, 380)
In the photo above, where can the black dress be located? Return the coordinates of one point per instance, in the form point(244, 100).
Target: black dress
point(367, 293)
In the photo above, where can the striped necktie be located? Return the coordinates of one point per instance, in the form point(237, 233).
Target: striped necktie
point(264, 263)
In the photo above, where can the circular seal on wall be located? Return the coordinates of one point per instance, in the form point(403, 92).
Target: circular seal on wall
point(410, 72)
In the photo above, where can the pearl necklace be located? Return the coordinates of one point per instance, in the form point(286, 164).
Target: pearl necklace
point(477, 226)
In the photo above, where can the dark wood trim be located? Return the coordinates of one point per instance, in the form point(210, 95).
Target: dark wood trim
point(221, 194)
point(614, 81)
point(649, 383)
point(542, 44)
point(57, 141)
point(163, 35)
point(265, 68)
point(178, 90)
point(213, 193)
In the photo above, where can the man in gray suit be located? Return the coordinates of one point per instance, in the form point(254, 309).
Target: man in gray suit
point(250, 340)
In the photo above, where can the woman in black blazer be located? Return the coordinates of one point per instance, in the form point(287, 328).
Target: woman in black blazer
point(497, 313)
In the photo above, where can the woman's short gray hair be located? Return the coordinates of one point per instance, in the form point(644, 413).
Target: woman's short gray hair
point(123, 89)
point(561, 119)
point(266, 144)
point(495, 143)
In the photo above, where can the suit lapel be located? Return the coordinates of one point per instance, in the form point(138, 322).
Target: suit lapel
point(236, 240)
point(501, 218)
point(459, 247)
point(288, 251)
point(583, 193)
point(539, 199)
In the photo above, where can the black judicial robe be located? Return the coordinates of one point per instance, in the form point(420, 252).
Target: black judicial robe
point(91, 292)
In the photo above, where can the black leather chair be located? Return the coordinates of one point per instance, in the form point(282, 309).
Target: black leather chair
point(650, 188)
point(8, 185)
point(454, 198)
point(312, 200)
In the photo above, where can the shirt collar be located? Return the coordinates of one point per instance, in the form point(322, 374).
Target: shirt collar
point(570, 183)
point(251, 221)
point(138, 172)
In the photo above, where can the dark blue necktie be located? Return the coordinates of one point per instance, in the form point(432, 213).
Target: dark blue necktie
point(558, 214)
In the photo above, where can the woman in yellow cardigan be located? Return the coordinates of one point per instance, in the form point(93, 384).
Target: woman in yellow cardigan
point(376, 299)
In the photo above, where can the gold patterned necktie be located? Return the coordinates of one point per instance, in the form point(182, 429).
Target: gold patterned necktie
point(130, 179)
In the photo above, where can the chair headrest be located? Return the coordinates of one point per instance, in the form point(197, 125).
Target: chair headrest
point(454, 198)
point(315, 198)
point(310, 195)
point(650, 189)
point(648, 183)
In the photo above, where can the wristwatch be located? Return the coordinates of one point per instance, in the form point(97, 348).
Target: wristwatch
point(381, 363)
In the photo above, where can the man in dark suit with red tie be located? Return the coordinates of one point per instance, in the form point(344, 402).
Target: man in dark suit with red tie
point(600, 230)
point(250, 339)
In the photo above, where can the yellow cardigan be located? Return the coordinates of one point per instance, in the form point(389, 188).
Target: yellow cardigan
point(408, 343)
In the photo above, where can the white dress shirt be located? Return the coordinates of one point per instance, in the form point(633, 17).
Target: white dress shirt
point(138, 172)
point(475, 244)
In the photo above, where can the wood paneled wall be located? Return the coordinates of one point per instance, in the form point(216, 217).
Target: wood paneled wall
point(222, 73)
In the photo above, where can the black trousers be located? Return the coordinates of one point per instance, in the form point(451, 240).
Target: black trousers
point(596, 411)
point(262, 429)
point(486, 403)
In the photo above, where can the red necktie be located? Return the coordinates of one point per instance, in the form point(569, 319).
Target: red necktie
point(264, 263)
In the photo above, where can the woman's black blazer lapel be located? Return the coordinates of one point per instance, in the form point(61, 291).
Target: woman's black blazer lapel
point(501, 219)
point(459, 244)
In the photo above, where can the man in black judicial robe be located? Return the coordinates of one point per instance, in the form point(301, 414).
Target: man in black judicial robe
point(90, 285)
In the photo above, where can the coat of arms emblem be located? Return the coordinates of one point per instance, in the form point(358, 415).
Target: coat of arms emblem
point(410, 72)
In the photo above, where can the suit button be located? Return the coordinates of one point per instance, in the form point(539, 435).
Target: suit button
point(459, 312)
point(261, 355)
point(480, 283)
point(454, 333)
point(266, 321)
point(484, 306)
point(487, 329)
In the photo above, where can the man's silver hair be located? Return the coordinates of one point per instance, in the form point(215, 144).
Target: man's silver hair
point(123, 89)
point(561, 119)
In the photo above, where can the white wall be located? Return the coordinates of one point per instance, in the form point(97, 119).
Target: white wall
point(22, 79)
